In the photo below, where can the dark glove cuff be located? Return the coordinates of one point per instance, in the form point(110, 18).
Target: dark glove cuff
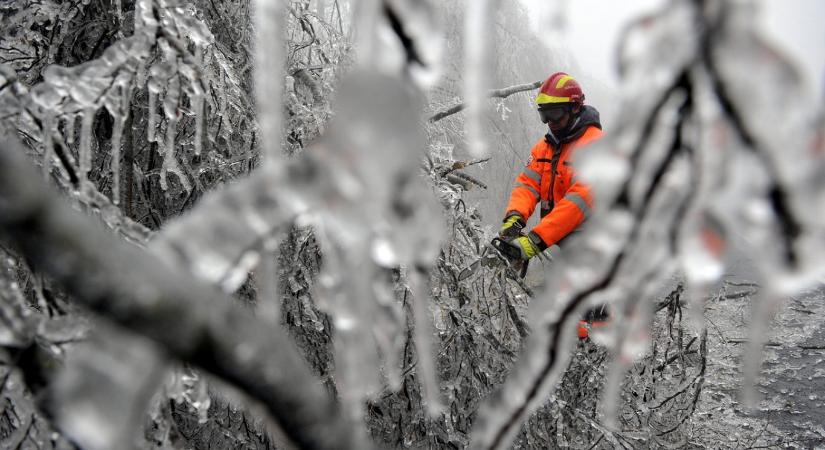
point(537, 241)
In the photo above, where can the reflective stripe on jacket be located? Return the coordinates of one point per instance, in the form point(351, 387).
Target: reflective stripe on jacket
point(568, 203)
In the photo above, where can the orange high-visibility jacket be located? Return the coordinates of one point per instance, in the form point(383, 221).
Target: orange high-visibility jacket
point(550, 180)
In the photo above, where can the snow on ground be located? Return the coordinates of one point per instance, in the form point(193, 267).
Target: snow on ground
point(790, 402)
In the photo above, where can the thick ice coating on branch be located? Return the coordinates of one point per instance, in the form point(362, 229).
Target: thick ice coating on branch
point(371, 196)
point(703, 155)
point(106, 388)
point(189, 319)
point(373, 152)
point(361, 187)
point(219, 240)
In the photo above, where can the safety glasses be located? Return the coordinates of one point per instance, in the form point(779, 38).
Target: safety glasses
point(554, 113)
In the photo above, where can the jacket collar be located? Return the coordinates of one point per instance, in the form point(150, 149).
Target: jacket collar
point(589, 116)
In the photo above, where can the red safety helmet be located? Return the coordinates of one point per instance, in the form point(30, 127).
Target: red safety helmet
point(560, 88)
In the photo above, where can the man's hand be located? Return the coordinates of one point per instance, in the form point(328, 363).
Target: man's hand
point(511, 228)
point(527, 248)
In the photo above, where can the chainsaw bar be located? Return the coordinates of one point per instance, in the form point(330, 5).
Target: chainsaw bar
point(498, 253)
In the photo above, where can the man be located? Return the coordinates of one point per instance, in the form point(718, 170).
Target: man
point(549, 178)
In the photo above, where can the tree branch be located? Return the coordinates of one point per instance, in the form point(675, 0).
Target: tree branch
point(495, 93)
point(189, 319)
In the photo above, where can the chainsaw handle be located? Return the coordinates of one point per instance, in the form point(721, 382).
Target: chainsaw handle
point(512, 253)
point(507, 249)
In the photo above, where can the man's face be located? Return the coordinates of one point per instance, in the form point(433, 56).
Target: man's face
point(556, 116)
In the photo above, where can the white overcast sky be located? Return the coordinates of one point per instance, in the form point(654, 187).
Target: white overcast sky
point(796, 26)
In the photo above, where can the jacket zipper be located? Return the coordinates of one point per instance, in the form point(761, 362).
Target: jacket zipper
point(554, 164)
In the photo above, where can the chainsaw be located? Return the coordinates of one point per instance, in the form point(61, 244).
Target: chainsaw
point(499, 252)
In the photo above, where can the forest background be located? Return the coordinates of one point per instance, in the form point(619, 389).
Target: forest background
point(259, 213)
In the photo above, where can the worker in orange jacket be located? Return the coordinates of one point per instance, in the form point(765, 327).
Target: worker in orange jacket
point(549, 179)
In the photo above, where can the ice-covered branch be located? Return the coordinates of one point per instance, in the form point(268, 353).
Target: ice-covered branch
point(670, 184)
point(219, 240)
point(269, 70)
point(192, 321)
point(495, 93)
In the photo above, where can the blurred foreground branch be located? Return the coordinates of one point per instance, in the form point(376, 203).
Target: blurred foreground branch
point(188, 318)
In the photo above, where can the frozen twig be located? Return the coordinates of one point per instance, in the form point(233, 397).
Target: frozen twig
point(189, 319)
point(494, 93)
point(464, 180)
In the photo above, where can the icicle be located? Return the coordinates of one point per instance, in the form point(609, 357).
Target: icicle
point(85, 151)
point(389, 326)
point(476, 32)
point(197, 106)
point(48, 129)
point(202, 401)
point(152, 116)
point(767, 304)
point(366, 14)
point(348, 296)
point(222, 103)
point(169, 162)
point(197, 103)
point(71, 120)
point(171, 105)
point(106, 385)
point(269, 304)
point(423, 342)
point(117, 134)
point(119, 18)
point(140, 73)
point(269, 75)
point(118, 105)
